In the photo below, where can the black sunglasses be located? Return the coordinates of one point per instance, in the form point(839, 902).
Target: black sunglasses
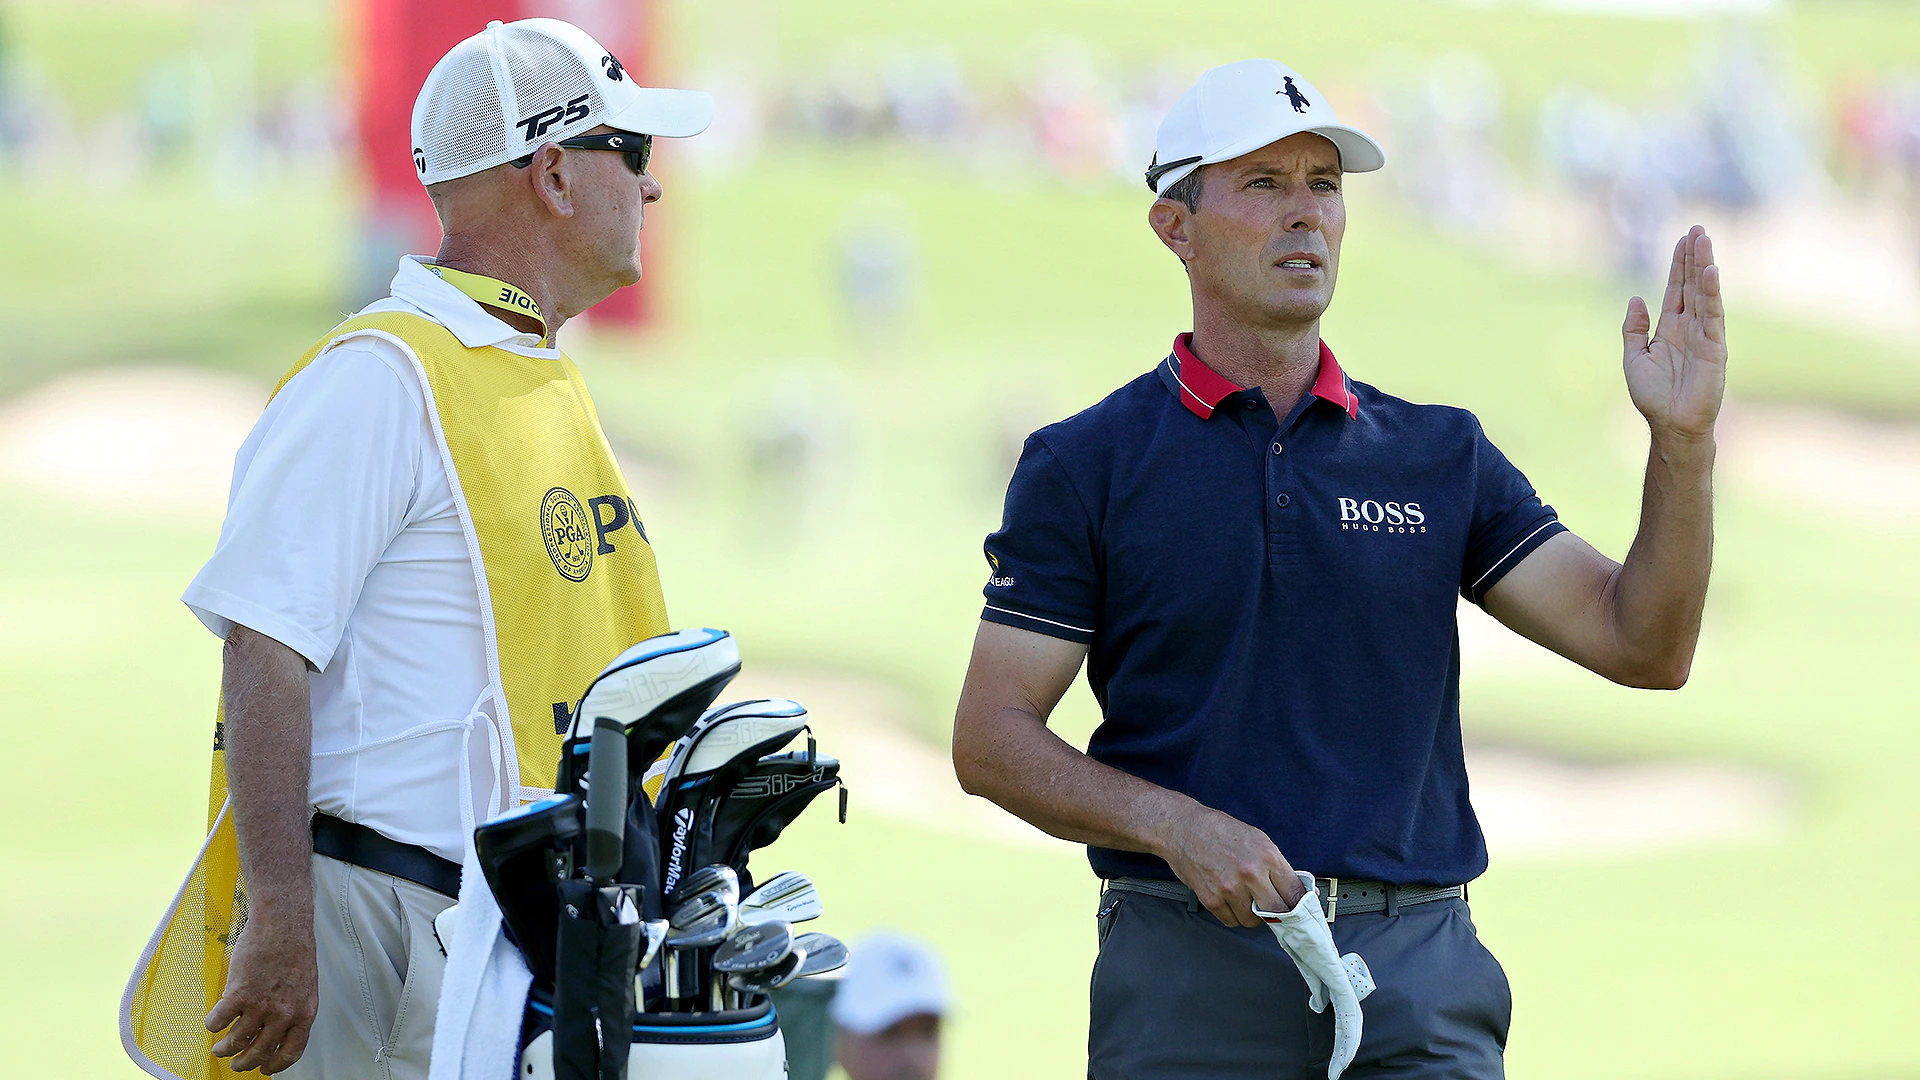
point(636, 148)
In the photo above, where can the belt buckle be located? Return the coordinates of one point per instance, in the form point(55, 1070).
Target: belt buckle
point(1329, 890)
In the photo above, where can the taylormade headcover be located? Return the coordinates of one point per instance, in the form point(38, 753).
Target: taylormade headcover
point(1330, 977)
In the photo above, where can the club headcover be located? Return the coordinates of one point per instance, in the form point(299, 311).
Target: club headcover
point(760, 804)
point(658, 689)
point(523, 855)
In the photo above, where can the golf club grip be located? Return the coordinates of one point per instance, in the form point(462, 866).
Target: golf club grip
point(606, 799)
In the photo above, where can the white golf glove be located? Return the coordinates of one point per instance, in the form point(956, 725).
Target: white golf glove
point(1341, 980)
point(443, 924)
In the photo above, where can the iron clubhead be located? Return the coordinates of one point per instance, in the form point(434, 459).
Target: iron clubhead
point(706, 919)
point(656, 936)
point(708, 879)
point(754, 948)
point(773, 978)
point(824, 953)
point(788, 897)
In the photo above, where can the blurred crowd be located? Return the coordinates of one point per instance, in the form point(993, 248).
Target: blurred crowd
point(1056, 111)
point(1878, 136)
point(201, 106)
point(1738, 132)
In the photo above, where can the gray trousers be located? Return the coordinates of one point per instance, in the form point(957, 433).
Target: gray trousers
point(1178, 995)
point(380, 970)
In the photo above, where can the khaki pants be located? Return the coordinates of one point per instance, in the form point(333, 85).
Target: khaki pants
point(380, 970)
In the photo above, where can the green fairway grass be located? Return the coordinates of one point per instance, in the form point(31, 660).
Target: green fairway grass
point(1787, 957)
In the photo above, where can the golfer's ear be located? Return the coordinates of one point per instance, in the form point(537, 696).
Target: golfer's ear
point(1169, 220)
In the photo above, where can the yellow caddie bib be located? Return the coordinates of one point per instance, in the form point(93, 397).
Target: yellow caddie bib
point(566, 580)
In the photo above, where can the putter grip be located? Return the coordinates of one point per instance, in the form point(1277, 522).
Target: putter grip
point(606, 799)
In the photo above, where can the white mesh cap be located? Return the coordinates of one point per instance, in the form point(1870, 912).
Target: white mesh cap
point(506, 91)
point(1238, 108)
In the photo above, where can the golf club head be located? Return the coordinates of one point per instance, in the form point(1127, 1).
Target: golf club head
point(725, 732)
point(726, 742)
point(656, 689)
point(773, 978)
point(656, 936)
point(824, 953)
point(706, 919)
point(754, 948)
point(522, 853)
point(788, 897)
point(761, 804)
point(709, 879)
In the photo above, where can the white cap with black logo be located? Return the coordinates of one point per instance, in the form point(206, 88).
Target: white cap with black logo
point(502, 93)
point(1240, 107)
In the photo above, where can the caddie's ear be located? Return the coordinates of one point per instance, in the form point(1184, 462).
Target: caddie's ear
point(551, 175)
point(1169, 220)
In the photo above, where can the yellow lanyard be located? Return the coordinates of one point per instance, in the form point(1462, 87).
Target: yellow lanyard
point(492, 292)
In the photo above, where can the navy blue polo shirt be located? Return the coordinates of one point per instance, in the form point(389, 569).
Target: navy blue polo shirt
point(1269, 606)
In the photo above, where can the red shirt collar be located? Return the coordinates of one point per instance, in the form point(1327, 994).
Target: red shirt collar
point(1202, 388)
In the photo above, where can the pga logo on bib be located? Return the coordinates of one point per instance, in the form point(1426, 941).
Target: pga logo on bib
point(575, 533)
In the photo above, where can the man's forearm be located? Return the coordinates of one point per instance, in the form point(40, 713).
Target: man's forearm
point(269, 740)
point(1657, 598)
point(1013, 759)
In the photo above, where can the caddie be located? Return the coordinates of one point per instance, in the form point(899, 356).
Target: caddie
point(429, 551)
point(1257, 556)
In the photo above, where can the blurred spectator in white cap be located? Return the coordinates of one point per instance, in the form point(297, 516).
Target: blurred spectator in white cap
point(889, 1008)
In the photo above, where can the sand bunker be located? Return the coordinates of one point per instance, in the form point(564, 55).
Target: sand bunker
point(155, 439)
point(1531, 805)
point(161, 440)
point(1817, 458)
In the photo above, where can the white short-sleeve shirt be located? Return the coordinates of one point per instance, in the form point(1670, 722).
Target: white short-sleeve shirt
point(342, 542)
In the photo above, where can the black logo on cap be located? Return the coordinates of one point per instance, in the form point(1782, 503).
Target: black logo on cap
point(1298, 99)
point(536, 125)
point(420, 159)
point(614, 69)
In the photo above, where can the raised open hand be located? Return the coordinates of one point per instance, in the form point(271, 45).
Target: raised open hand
point(1678, 378)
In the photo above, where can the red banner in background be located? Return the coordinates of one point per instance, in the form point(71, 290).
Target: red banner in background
point(398, 42)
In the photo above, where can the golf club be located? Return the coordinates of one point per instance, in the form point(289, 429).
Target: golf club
point(726, 742)
point(789, 897)
point(657, 689)
point(701, 921)
point(752, 948)
point(762, 802)
point(824, 953)
point(772, 978)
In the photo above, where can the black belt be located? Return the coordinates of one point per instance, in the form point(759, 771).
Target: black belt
point(361, 846)
point(1351, 896)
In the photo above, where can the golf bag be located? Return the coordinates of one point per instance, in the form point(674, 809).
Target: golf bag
point(583, 888)
point(741, 1044)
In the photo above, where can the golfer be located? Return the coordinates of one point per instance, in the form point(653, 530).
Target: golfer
point(428, 553)
point(1257, 556)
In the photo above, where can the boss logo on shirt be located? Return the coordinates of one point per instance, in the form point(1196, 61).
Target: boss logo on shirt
point(1368, 515)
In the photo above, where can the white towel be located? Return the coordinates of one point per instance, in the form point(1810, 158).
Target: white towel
point(476, 1035)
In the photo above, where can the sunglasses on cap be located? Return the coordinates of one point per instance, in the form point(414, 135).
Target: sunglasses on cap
point(636, 148)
